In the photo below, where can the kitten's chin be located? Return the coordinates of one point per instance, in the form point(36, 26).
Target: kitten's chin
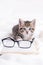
point(28, 38)
point(19, 38)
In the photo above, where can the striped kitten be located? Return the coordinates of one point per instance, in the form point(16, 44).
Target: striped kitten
point(24, 30)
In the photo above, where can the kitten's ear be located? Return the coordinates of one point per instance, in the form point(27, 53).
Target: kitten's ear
point(33, 22)
point(21, 23)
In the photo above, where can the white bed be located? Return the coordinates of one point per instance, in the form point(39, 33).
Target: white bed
point(10, 12)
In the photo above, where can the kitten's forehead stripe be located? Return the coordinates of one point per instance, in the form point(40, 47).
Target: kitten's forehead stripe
point(27, 23)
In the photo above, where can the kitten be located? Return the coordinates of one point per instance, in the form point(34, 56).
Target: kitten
point(24, 30)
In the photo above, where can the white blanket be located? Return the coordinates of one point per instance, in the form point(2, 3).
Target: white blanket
point(10, 12)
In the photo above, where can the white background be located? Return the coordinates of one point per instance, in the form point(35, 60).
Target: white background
point(10, 12)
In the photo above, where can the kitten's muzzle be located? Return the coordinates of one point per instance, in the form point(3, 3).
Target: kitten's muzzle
point(27, 32)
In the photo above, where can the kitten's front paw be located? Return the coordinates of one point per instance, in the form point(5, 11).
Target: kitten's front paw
point(19, 38)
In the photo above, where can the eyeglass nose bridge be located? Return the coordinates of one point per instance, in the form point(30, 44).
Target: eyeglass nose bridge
point(16, 42)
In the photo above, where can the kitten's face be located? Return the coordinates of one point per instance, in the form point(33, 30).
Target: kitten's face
point(26, 28)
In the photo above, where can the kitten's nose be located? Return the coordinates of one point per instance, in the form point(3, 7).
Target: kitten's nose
point(27, 32)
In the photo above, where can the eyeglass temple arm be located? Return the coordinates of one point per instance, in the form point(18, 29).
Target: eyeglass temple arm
point(7, 38)
point(32, 40)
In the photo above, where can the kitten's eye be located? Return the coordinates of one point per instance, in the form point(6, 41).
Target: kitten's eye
point(32, 28)
point(29, 28)
point(24, 28)
point(21, 29)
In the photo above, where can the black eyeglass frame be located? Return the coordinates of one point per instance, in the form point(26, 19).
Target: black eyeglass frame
point(17, 42)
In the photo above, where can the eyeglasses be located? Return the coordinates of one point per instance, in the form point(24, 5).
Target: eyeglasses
point(9, 43)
